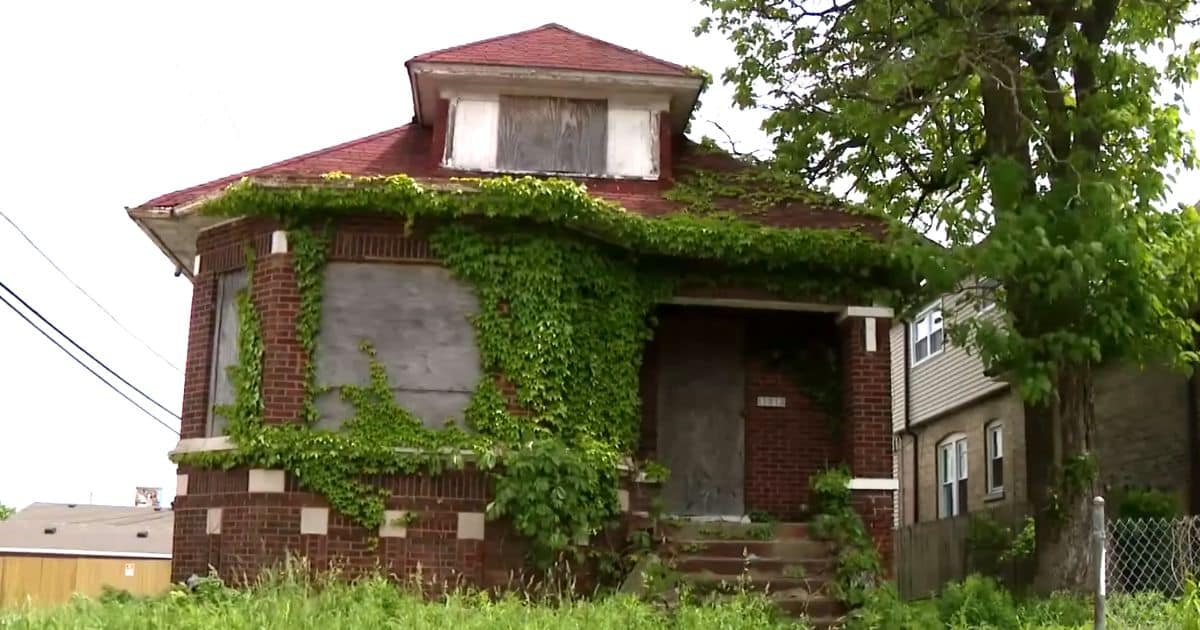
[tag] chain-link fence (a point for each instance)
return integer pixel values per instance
(1152, 554)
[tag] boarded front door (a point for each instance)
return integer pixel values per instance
(701, 391)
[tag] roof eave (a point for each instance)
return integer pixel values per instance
(174, 229)
(684, 91)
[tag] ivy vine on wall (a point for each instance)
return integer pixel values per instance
(564, 316)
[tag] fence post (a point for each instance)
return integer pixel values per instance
(1098, 563)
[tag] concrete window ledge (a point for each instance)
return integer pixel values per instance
(868, 483)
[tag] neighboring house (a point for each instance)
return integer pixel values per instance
(49, 551)
(719, 408)
(960, 435)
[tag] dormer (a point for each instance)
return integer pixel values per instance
(552, 101)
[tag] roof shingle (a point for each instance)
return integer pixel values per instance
(554, 46)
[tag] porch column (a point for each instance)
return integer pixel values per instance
(867, 419)
(277, 298)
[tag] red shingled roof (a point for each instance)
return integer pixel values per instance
(407, 150)
(554, 46)
(400, 150)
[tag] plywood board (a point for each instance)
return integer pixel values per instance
(701, 394)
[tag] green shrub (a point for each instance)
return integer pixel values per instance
(1060, 609)
(1147, 503)
(978, 602)
(883, 609)
(858, 570)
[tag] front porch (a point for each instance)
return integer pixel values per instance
(745, 400)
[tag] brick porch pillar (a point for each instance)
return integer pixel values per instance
(277, 298)
(867, 420)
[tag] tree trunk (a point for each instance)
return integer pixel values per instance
(1062, 477)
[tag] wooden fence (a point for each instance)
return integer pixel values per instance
(42, 580)
(932, 553)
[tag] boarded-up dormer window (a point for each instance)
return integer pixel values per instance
(543, 134)
(552, 135)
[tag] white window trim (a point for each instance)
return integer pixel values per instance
(912, 334)
(983, 305)
(952, 442)
(994, 426)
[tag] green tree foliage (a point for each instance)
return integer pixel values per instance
(1038, 137)
(6, 512)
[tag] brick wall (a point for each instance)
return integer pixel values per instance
(784, 446)
(867, 399)
(1141, 431)
(222, 249)
(875, 507)
(971, 421)
(867, 424)
(261, 529)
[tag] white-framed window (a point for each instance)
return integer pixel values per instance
(985, 298)
(928, 336)
(952, 476)
(994, 438)
(550, 134)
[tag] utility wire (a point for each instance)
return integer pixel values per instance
(84, 350)
(86, 366)
(86, 294)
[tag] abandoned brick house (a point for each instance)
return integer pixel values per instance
(735, 429)
(960, 435)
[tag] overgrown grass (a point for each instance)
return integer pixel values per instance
(295, 603)
(979, 604)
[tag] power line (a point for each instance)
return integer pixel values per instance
(86, 294)
(86, 366)
(84, 350)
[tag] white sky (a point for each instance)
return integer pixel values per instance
(106, 105)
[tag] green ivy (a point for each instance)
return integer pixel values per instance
(848, 262)
(858, 568)
(556, 495)
(566, 285)
(752, 189)
(566, 323)
(309, 252)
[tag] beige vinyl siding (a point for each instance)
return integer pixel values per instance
(951, 378)
(897, 345)
(897, 377)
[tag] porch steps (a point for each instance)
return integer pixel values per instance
(779, 559)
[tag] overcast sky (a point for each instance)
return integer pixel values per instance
(105, 105)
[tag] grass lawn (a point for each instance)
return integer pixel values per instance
(293, 603)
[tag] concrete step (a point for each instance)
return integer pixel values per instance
(749, 532)
(820, 610)
(754, 580)
(771, 567)
(798, 548)
(804, 602)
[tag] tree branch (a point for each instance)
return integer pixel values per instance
(1095, 27)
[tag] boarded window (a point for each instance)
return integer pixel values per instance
(418, 319)
(471, 140)
(632, 142)
(225, 347)
(552, 135)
